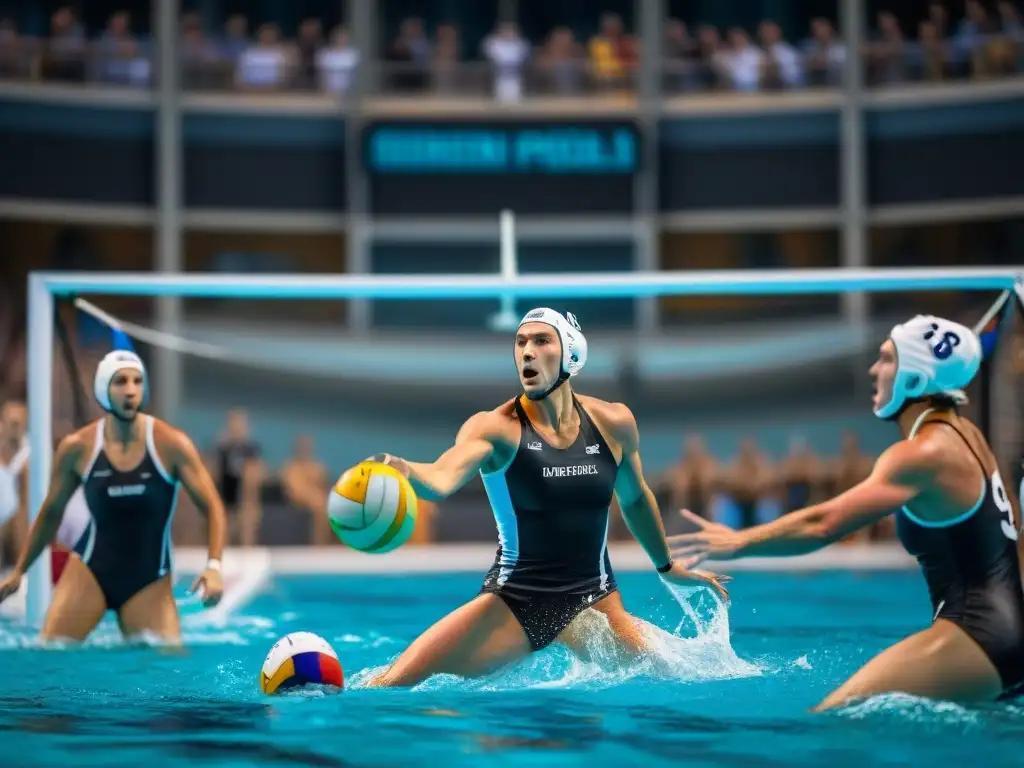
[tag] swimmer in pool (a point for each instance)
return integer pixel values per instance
(550, 461)
(14, 453)
(953, 513)
(129, 467)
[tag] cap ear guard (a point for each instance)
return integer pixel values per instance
(115, 361)
(933, 357)
(574, 345)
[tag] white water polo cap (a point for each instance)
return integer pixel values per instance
(574, 343)
(933, 357)
(115, 361)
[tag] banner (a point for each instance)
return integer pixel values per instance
(480, 167)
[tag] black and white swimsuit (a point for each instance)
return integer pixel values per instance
(127, 544)
(551, 508)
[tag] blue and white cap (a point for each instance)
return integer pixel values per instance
(574, 343)
(933, 357)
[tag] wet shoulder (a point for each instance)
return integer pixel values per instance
(166, 436)
(972, 440)
(76, 450)
(615, 421)
(500, 427)
(170, 448)
(948, 441)
(497, 423)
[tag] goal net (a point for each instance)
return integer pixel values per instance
(762, 406)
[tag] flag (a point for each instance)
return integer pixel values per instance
(121, 341)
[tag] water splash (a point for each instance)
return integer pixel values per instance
(601, 663)
(230, 630)
(913, 708)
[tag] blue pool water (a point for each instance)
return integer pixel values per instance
(709, 701)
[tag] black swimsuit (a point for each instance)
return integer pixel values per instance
(127, 544)
(551, 508)
(971, 567)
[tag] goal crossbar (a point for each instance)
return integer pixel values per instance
(560, 284)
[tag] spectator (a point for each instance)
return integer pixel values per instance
(852, 467)
(236, 38)
(447, 53)
(746, 489)
(15, 368)
(337, 63)
(264, 66)
(121, 61)
(12, 329)
(308, 46)
(198, 56)
(781, 67)
(612, 53)
(682, 58)
(410, 56)
(426, 516)
(14, 51)
(1010, 23)
(745, 61)
(689, 484)
(825, 56)
(64, 58)
(714, 62)
(958, 65)
(802, 476)
(887, 57)
(507, 51)
(1001, 57)
(938, 16)
(972, 37)
(13, 461)
(239, 472)
(932, 61)
(305, 484)
(562, 62)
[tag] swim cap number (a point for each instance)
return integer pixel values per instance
(946, 345)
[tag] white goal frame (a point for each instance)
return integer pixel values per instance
(44, 287)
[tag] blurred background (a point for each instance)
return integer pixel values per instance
(336, 136)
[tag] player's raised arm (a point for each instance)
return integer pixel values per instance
(900, 474)
(439, 479)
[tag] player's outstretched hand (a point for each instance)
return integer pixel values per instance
(10, 585)
(681, 576)
(711, 541)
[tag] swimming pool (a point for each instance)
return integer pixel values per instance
(793, 638)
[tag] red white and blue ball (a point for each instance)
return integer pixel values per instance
(298, 659)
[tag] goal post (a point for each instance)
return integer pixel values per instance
(45, 287)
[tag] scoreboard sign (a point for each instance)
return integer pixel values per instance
(533, 167)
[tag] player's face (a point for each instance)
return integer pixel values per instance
(883, 372)
(12, 421)
(538, 356)
(126, 393)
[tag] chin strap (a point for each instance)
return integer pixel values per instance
(563, 377)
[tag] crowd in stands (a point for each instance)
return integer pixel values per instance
(976, 41)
